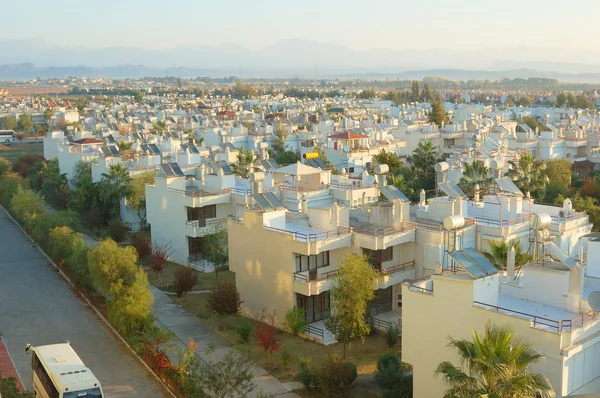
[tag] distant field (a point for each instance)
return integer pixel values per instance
(12, 151)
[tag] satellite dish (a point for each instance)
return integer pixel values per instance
(594, 301)
(347, 149)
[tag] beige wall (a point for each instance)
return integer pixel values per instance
(428, 320)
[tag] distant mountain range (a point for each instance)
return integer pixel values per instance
(293, 57)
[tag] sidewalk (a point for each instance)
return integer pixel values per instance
(185, 325)
(7, 367)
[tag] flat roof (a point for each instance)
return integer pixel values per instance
(65, 366)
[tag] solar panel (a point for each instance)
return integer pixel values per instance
(481, 261)
(265, 163)
(398, 193)
(507, 185)
(451, 189)
(320, 163)
(114, 150)
(106, 151)
(226, 169)
(167, 170)
(262, 202)
(193, 149)
(177, 170)
(273, 163)
(270, 196)
(558, 254)
(312, 163)
(154, 148)
(467, 264)
(111, 139)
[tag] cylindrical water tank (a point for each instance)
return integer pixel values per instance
(540, 221)
(257, 176)
(382, 169)
(441, 167)
(454, 222)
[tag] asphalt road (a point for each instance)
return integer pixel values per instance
(38, 307)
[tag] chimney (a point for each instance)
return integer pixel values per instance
(422, 198)
(510, 264)
(256, 180)
(476, 196)
(203, 174)
(305, 205)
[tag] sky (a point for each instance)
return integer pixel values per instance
(358, 24)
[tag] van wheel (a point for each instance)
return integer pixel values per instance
(7, 141)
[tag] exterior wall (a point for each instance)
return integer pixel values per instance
(428, 320)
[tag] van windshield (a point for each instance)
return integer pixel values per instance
(90, 393)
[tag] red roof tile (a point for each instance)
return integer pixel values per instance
(347, 136)
(87, 141)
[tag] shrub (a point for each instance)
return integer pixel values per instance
(307, 374)
(8, 389)
(63, 242)
(335, 376)
(44, 223)
(24, 162)
(26, 205)
(286, 356)
(244, 331)
(185, 280)
(266, 334)
(295, 320)
(117, 230)
(224, 299)
(9, 184)
(393, 378)
(159, 258)
(142, 246)
(392, 335)
(93, 218)
(4, 166)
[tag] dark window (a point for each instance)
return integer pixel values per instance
(382, 301)
(43, 376)
(201, 214)
(196, 248)
(316, 307)
(305, 263)
(377, 257)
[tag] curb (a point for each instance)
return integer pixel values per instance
(88, 302)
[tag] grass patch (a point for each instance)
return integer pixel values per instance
(164, 281)
(364, 356)
(12, 151)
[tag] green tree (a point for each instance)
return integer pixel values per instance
(160, 127)
(525, 101)
(476, 173)
(26, 206)
(124, 146)
(5, 166)
(554, 190)
(24, 124)
(295, 320)
(561, 100)
(351, 293)
(63, 243)
(582, 102)
(559, 171)
(494, 365)
(216, 248)
(54, 186)
(243, 163)
(9, 123)
(115, 184)
(438, 115)
(529, 175)
(422, 162)
(278, 144)
(498, 253)
(415, 94)
(85, 194)
(427, 93)
(8, 389)
(533, 123)
(136, 197)
(571, 100)
(81, 105)
(49, 116)
(393, 377)
(138, 97)
(390, 159)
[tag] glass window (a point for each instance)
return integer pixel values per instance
(90, 393)
(44, 378)
(305, 263)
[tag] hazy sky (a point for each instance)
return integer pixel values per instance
(359, 24)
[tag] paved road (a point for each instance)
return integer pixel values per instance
(37, 307)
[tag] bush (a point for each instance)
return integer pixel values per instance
(244, 331)
(286, 356)
(26, 205)
(307, 374)
(224, 299)
(335, 376)
(143, 246)
(117, 230)
(393, 378)
(295, 320)
(392, 335)
(185, 280)
(4, 166)
(9, 184)
(44, 223)
(8, 389)
(93, 218)
(63, 242)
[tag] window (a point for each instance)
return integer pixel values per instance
(377, 257)
(42, 375)
(201, 214)
(304, 263)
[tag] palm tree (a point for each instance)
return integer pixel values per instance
(243, 165)
(421, 162)
(49, 116)
(115, 185)
(476, 173)
(528, 174)
(498, 254)
(495, 366)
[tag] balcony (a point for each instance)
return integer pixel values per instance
(569, 221)
(317, 241)
(376, 239)
(390, 276)
(199, 198)
(314, 282)
(198, 228)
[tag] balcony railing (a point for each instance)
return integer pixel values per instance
(313, 188)
(502, 223)
(199, 194)
(350, 187)
(565, 325)
(397, 268)
(197, 264)
(315, 331)
(208, 223)
(316, 237)
(423, 289)
(302, 277)
(384, 325)
(379, 233)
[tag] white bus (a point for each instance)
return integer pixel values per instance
(58, 372)
(7, 136)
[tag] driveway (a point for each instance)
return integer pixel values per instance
(38, 307)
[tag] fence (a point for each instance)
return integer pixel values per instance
(309, 238)
(315, 331)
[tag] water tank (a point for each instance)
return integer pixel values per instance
(454, 222)
(441, 167)
(540, 221)
(257, 176)
(382, 169)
